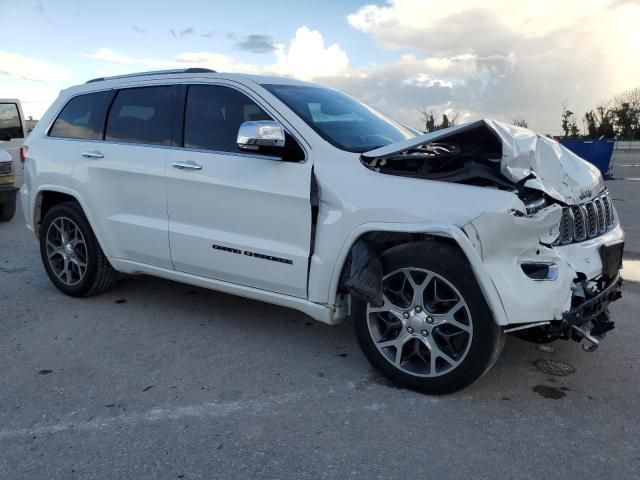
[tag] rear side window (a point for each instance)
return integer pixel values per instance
(213, 116)
(83, 117)
(142, 115)
(10, 124)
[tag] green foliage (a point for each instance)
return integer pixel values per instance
(618, 117)
(569, 124)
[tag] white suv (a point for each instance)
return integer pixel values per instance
(435, 245)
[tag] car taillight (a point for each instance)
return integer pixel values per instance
(23, 153)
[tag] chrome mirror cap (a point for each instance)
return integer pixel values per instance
(262, 133)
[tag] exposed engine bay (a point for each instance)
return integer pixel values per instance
(471, 156)
(489, 153)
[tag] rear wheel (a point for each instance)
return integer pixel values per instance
(71, 254)
(434, 332)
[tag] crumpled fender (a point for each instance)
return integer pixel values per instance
(503, 242)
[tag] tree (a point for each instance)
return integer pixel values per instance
(618, 117)
(599, 122)
(520, 122)
(626, 114)
(569, 125)
(430, 123)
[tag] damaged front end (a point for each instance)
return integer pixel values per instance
(555, 261)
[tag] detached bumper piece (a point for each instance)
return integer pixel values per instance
(589, 320)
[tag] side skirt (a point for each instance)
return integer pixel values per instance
(323, 313)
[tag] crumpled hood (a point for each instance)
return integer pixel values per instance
(553, 168)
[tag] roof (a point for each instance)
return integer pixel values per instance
(189, 73)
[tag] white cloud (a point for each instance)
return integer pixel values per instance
(503, 58)
(307, 57)
(18, 66)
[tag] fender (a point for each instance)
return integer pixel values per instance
(439, 230)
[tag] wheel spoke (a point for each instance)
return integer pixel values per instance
(388, 307)
(54, 253)
(436, 352)
(450, 318)
(417, 287)
(60, 229)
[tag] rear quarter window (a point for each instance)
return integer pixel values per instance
(83, 117)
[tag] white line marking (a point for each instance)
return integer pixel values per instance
(216, 409)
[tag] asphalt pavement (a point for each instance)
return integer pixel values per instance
(157, 379)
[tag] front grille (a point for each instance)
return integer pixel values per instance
(587, 220)
(5, 168)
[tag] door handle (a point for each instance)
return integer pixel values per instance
(92, 154)
(187, 165)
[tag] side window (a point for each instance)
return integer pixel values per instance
(213, 116)
(83, 117)
(142, 115)
(10, 124)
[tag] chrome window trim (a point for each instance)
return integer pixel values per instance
(171, 147)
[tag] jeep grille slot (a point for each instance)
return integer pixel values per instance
(587, 220)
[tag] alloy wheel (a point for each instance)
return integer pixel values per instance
(424, 326)
(66, 251)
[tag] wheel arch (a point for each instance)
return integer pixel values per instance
(48, 196)
(387, 236)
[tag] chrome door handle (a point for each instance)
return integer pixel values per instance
(92, 154)
(187, 165)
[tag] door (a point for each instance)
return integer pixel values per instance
(235, 216)
(12, 134)
(121, 173)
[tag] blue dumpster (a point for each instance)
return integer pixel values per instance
(597, 152)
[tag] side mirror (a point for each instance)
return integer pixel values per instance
(265, 135)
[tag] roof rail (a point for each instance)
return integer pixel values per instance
(156, 72)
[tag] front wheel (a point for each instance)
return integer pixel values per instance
(434, 332)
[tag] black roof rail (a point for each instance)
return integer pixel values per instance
(156, 72)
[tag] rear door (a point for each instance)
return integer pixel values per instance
(121, 172)
(236, 216)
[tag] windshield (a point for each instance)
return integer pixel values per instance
(339, 119)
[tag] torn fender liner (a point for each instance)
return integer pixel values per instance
(364, 277)
(515, 154)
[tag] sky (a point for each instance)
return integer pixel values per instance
(493, 58)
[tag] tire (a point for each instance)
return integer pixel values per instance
(7, 210)
(454, 320)
(96, 276)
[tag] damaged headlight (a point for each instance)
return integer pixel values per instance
(533, 200)
(535, 206)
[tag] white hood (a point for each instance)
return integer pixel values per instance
(553, 168)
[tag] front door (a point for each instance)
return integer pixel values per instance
(235, 216)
